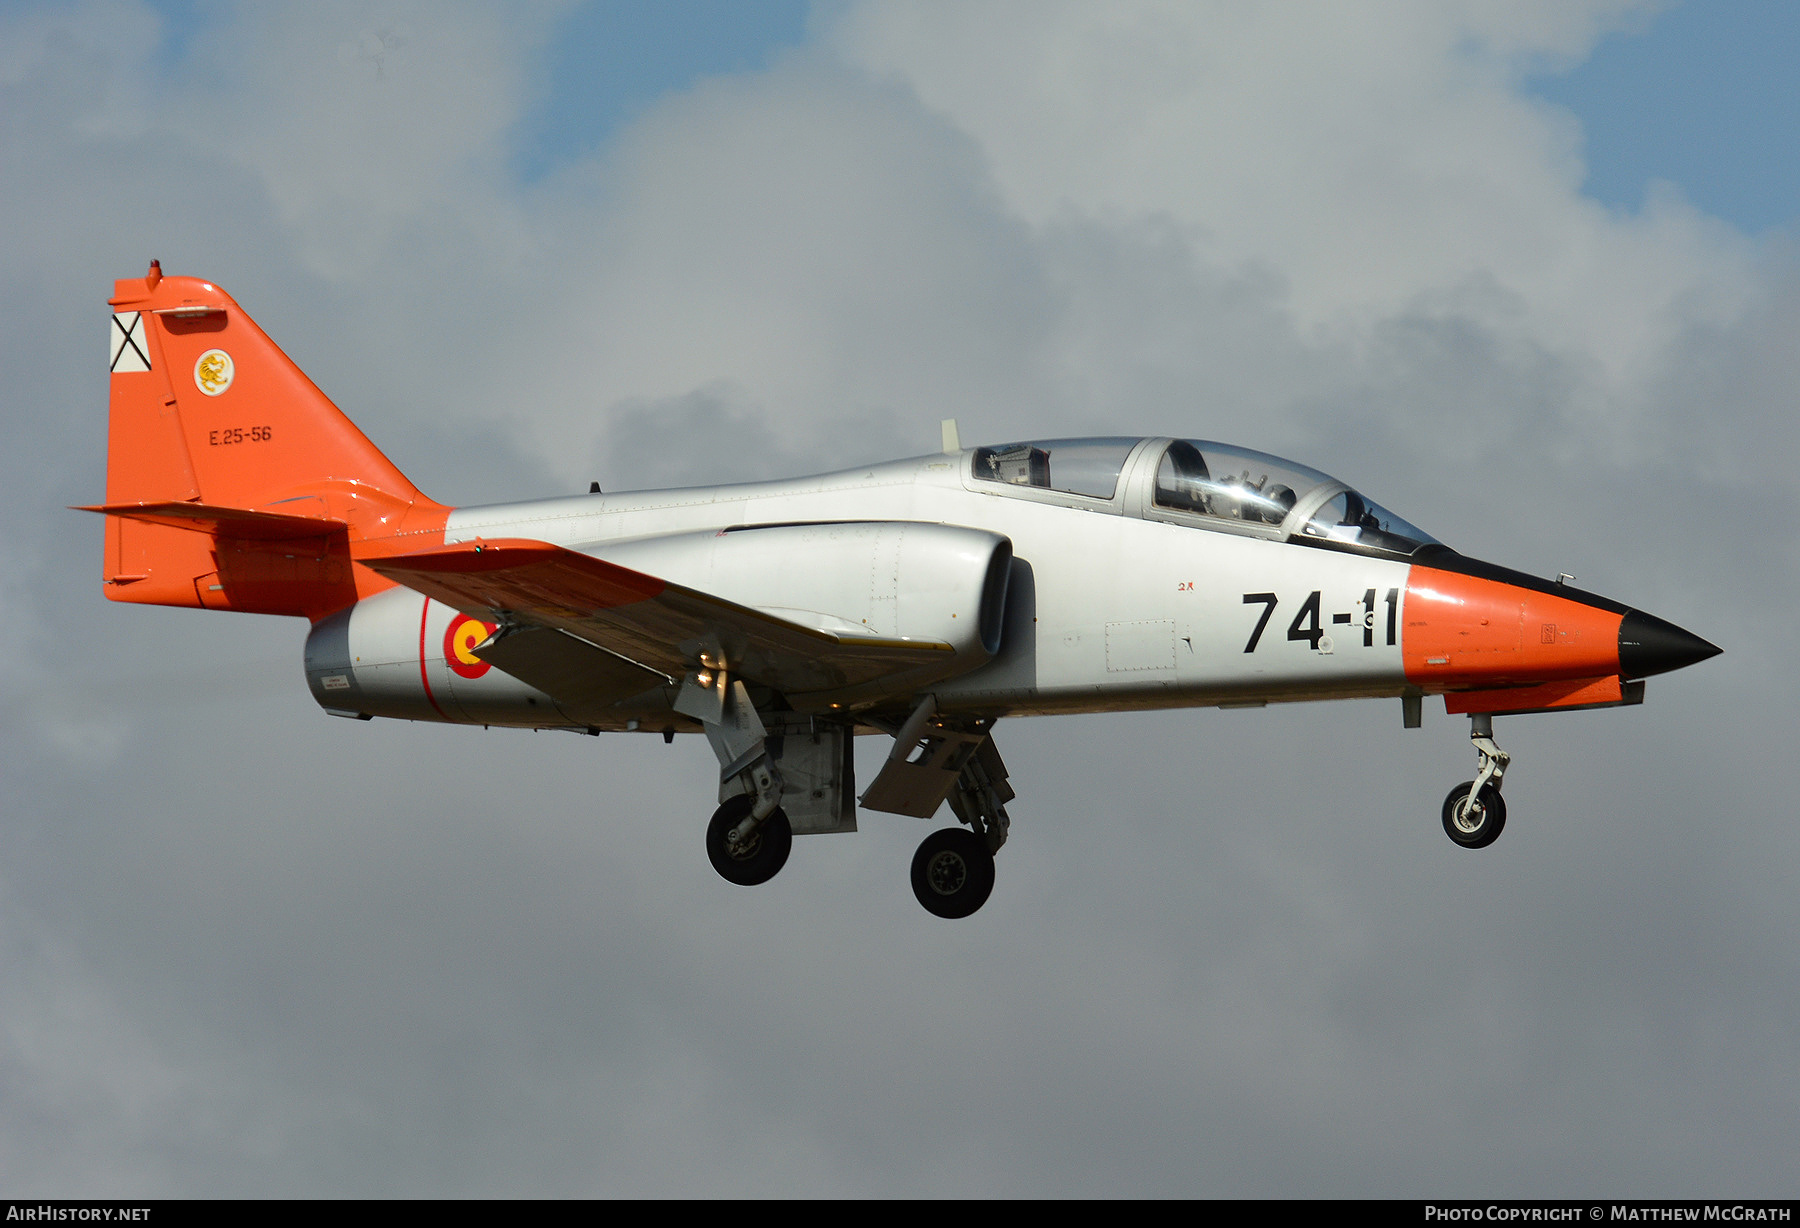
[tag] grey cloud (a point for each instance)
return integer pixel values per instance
(249, 949)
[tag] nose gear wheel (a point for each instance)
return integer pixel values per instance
(1474, 825)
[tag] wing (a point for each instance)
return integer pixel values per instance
(651, 623)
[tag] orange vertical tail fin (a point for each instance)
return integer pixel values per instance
(232, 482)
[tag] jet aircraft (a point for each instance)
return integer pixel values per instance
(923, 599)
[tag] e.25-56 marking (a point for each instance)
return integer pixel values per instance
(238, 434)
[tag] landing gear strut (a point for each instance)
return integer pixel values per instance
(749, 838)
(1475, 813)
(953, 871)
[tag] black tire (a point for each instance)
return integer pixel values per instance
(759, 858)
(1478, 826)
(952, 873)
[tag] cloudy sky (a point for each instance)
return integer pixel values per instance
(1523, 271)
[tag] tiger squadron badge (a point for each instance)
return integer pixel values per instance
(213, 372)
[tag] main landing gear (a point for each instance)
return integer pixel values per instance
(749, 838)
(952, 873)
(1475, 813)
(742, 851)
(800, 764)
(937, 759)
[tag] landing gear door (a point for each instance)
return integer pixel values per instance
(818, 773)
(917, 778)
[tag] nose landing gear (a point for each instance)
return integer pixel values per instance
(1474, 822)
(1475, 813)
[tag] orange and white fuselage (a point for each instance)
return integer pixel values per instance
(926, 598)
(1112, 603)
(1105, 610)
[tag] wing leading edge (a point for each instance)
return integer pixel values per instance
(661, 628)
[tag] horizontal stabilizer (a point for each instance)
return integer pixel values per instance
(222, 521)
(660, 625)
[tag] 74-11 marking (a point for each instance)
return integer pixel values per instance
(1306, 625)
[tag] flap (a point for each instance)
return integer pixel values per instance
(578, 675)
(649, 621)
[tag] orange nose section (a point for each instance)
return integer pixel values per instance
(1464, 631)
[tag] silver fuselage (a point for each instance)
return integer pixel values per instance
(1112, 604)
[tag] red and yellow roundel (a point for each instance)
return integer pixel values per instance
(459, 646)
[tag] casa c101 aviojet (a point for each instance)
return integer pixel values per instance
(923, 599)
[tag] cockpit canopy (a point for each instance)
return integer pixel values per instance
(1211, 485)
(1083, 466)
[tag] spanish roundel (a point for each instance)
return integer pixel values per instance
(460, 640)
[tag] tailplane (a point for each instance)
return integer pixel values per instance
(232, 482)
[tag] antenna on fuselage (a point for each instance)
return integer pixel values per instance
(952, 443)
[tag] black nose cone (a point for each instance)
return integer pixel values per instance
(1648, 645)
